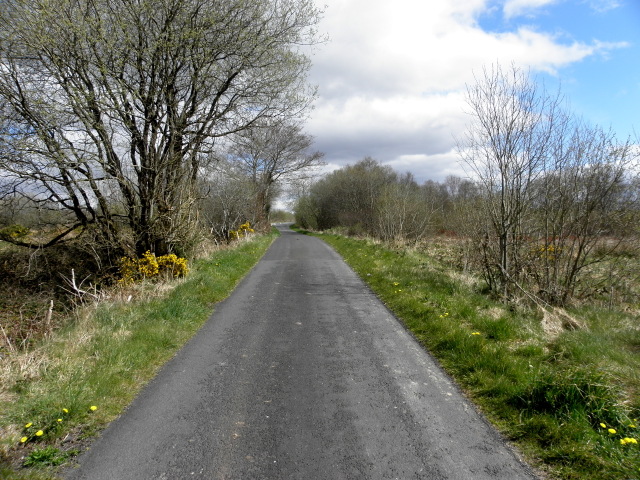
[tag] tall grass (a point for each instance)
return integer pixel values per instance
(567, 398)
(106, 355)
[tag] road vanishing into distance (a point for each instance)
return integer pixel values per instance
(302, 373)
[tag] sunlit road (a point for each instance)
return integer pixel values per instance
(301, 374)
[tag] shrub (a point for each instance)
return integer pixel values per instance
(151, 267)
(172, 265)
(243, 231)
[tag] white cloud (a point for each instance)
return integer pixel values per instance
(602, 6)
(514, 8)
(384, 127)
(393, 76)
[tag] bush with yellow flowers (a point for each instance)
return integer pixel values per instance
(172, 265)
(149, 266)
(243, 231)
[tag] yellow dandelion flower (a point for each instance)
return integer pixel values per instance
(632, 426)
(612, 431)
(603, 425)
(24, 439)
(59, 420)
(395, 284)
(476, 333)
(64, 410)
(93, 408)
(39, 433)
(28, 425)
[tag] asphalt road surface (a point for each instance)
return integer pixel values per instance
(302, 373)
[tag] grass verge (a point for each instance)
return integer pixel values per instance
(568, 398)
(71, 385)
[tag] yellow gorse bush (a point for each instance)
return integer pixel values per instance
(173, 265)
(150, 267)
(242, 231)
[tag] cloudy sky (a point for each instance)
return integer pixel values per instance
(392, 76)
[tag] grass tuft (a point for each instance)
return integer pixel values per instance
(576, 393)
(47, 457)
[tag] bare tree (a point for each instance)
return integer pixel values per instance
(269, 153)
(110, 107)
(505, 149)
(577, 207)
(550, 187)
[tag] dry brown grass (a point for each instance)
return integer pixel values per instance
(556, 320)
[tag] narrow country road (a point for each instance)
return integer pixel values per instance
(301, 373)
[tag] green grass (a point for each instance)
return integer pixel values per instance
(47, 457)
(104, 358)
(547, 393)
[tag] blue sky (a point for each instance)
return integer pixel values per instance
(604, 87)
(393, 75)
